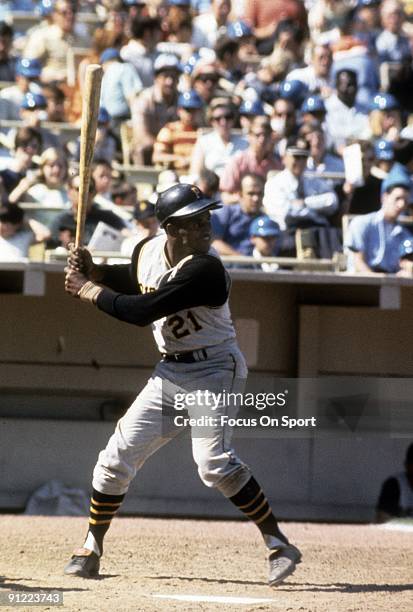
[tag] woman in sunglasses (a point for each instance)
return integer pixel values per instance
(213, 150)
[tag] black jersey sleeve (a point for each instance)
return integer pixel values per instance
(389, 498)
(202, 281)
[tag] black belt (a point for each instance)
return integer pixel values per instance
(188, 357)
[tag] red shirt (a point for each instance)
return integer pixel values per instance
(245, 162)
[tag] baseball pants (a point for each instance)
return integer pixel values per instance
(149, 423)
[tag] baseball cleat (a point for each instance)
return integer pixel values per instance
(84, 563)
(283, 562)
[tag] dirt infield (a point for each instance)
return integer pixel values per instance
(210, 565)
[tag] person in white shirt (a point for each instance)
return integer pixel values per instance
(214, 149)
(317, 75)
(292, 199)
(208, 26)
(345, 119)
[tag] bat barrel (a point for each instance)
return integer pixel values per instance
(90, 112)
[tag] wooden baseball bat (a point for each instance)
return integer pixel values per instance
(90, 111)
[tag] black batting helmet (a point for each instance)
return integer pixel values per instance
(182, 201)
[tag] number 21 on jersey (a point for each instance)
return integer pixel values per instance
(183, 326)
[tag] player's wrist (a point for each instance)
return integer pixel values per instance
(89, 292)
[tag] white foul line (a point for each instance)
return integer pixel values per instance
(217, 599)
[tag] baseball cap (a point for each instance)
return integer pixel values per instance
(265, 227)
(293, 90)
(143, 210)
(32, 101)
(166, 61)
(179, 2)
(252, 108)
(397, 177)
(29, 68)
(313, 104)
(190, 99)
(103, 116)
(238, 29)
(384, 150)
(45, 7)
(109, 54)
(406, 248)
(297, 147)
(384, 101)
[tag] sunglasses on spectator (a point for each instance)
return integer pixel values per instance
(226, 117)
(208, 77)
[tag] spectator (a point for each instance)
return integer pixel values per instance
(208, 26)
(120, 85)
(208, 183)
(27, 143)
(287, 53)
(294, 200)
(374, 239)
(391, 44)
(175, 141)
(264, 16)
(33, 113)
(146, 225)
(107, 144)
(27, 81)
(214, 149)
(155, 107)
(241, 32)
(177, 28)
(406, 258)
(313, 110)
(103, 179)
(48, 188)
(55, 99)
(231, 224)
(396, 494)
(320, 160)
(345, 118)
(385, 117)
(317, 75)
(63, 227)
(18, 235)
(384, 158)
(228, 60)
(204, 78)
(141, 48)
(248, 110)
(364, 198)
(258, 158)
(7, 61)
(264, 235)
(283, 123)
(51, 45)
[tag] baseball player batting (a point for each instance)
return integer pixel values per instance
(177, 283)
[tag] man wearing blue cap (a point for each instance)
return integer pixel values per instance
(175, 141)
(264, 233)
(374, 239)
(27, 80)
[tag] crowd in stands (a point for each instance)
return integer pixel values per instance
(297, 114)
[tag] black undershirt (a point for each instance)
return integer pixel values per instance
(201, 281)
